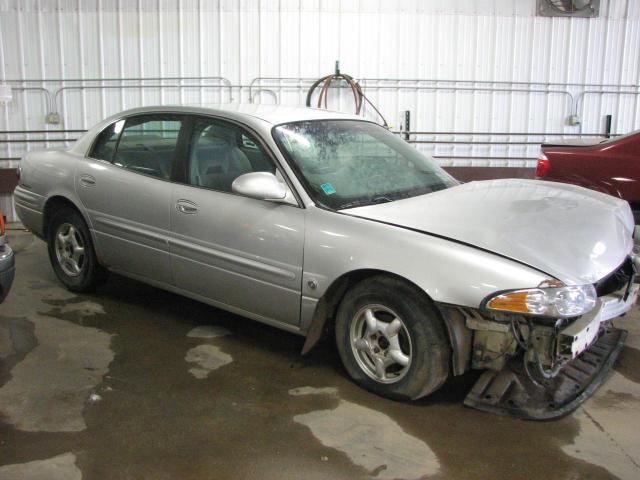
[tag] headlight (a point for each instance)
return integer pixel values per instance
(557, 302)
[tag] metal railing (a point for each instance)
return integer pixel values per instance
(575, 100)
(54, 91)
(573, 92)
(52, 95)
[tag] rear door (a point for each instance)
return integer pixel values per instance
(126, 189)
(231, 249)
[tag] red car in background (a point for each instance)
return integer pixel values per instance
(609, 165)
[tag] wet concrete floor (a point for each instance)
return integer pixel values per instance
(133, 382)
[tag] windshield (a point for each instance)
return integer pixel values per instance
(350, 163)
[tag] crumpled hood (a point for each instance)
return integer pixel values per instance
(575, 234)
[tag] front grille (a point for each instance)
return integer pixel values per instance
(616, 280)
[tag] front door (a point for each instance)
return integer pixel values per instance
(231, 249)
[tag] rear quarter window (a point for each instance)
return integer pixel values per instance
(104, 148)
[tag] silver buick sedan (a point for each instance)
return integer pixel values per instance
(319, 222)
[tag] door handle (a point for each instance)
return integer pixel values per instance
(185, 206)
(87, 180)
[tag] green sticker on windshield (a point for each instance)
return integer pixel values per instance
(328, 188)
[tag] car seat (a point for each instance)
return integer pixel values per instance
(216, 162)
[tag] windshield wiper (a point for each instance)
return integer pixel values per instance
(362, 203)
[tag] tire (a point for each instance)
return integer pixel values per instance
(69, 224)
(421, 338)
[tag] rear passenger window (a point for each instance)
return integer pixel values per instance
(105, 146)
(148, 144)
(221, 152)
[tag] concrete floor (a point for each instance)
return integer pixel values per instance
(133, 382)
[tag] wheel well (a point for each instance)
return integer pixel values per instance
(336, 291)
(53, 205)
(324, 316)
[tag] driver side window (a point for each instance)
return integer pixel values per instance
(221, 152)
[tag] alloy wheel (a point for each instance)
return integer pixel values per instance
(381, 343)
(69, 247)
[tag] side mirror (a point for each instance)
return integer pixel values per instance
(260, 185)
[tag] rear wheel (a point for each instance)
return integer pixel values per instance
(71, 252)
(391, 339)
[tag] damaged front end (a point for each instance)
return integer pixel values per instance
(540, 367)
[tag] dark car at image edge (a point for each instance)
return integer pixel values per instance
(7, 262)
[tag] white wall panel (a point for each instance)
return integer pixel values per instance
(483, 41)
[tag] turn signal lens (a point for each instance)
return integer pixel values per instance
(1, 222)
(554, 302)
(510, 302)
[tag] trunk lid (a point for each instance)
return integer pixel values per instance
(574, 142)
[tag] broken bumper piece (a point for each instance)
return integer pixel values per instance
(511, 391)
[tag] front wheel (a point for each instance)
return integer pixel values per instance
(391, 339)
(71, 252)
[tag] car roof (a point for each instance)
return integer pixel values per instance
(273, 114)
(258, 116)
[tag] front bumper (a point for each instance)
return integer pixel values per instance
(511, 392)
(7, 269)
(587, 349)
(578, 336)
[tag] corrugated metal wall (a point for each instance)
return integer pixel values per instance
(269, 49)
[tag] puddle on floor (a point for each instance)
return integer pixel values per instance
(369, 438)
(60, 467)
(54, 402)
(596, 446)
(604, 438)
(17, 339)
(208, 331)
(34, 397)
(208, 358)
(301, 391)
(83, 308)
